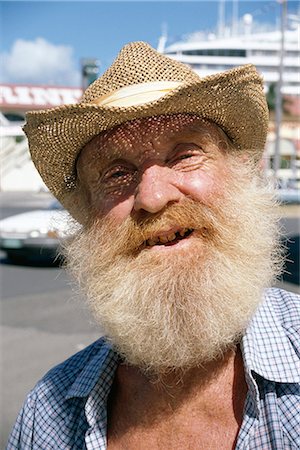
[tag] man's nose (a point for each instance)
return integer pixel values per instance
(156, 189)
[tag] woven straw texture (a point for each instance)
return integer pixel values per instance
(234, 100)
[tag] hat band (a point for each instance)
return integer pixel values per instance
(137, 94)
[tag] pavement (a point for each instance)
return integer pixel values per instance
(38, 331)
(290, 211)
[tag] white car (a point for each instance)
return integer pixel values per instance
(34, 234)
(289, 196)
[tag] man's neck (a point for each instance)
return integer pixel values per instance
(215, 392)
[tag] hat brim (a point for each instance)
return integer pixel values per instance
(234, 100)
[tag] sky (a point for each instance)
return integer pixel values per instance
(43, 42)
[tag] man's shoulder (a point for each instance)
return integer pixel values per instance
(271, 352)
(48, 411)
(63, 376)
(271, 344)
(285, 304)
(75, 376)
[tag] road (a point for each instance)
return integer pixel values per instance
(42, 323)
(43, 320)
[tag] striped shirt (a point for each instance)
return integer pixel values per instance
(67, 409)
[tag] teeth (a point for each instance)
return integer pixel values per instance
(171, 237)
(167, 238)
(163, 239)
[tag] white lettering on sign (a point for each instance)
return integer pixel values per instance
(7, 96)
(23, 95)
(42, 96)
(37, 96)
(70, 96)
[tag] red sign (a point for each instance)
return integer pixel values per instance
(37, 97)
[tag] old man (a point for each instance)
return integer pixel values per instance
(176, 253)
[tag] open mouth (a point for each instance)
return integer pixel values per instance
(168, 239)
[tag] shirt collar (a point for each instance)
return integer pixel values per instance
(102, 365)
(269, 344)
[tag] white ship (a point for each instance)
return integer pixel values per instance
(244, 43)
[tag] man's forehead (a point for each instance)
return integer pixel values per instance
(155, 127)
(159, 129)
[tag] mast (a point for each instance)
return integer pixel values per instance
(278, 101)
(221, 19)
(163, 38)
(235, 17)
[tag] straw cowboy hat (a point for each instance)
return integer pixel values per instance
(142, 83)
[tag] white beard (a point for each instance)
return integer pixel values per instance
(181, 313)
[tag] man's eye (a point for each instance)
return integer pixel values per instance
(185, 156)
(185, 151)
(182, 156)
(118, 177)
(118, 174)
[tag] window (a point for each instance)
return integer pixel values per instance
(216, 52)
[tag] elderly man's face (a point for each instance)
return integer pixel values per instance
(143, 166)
(167, 260)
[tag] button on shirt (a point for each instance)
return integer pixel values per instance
(68, 408)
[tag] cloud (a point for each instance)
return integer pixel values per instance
(40, 62)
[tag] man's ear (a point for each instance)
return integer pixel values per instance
(262, 163)
(259, 163)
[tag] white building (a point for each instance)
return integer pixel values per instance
(17, 172)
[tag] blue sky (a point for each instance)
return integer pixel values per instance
(43, 42)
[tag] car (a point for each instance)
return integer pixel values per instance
(291, 196)
(34, 235)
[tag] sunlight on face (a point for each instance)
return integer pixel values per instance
(148, 163)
